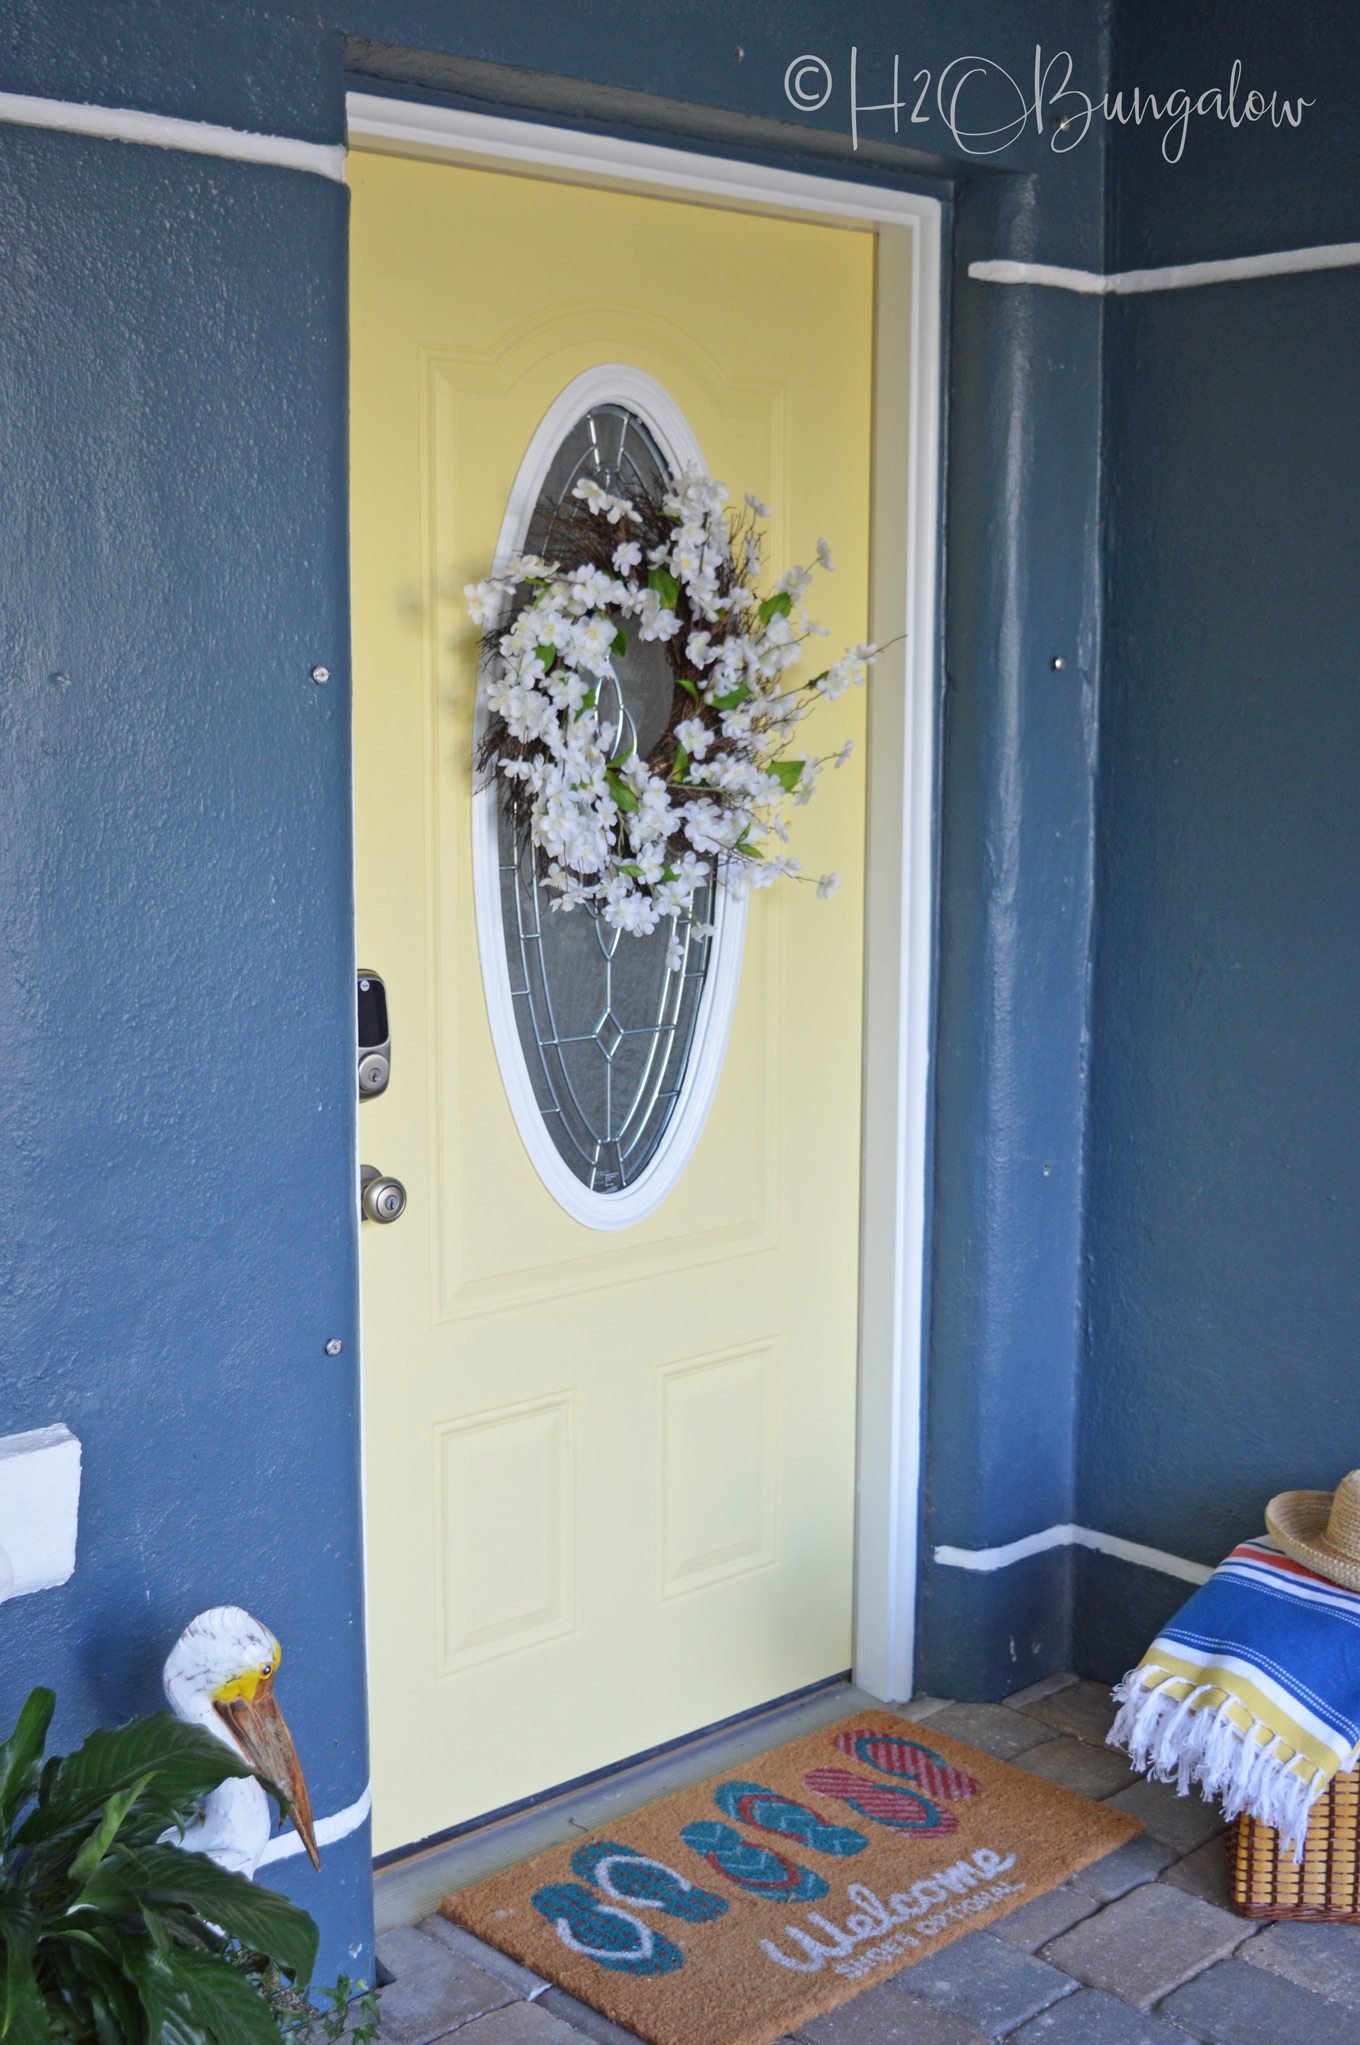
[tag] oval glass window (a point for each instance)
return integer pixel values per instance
(610, 1057)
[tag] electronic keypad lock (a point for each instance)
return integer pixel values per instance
(375, 1036)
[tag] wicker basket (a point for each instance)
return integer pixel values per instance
(1325, 1888)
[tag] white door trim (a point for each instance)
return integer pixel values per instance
(900, 907)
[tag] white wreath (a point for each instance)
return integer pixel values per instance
(628, 838)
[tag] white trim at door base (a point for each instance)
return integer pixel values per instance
(1074, 1537)
(900, 911)
(164, 131)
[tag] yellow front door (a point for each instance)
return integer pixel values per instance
(609, 1470)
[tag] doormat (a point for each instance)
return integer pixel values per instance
(734, 1911)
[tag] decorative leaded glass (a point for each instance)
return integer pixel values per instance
(605, 1028)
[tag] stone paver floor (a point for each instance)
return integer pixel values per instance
(1141, 1949)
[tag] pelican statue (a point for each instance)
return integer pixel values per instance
(220, 1674)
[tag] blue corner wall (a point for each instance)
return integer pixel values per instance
(177, 1013)
(1223, 1282)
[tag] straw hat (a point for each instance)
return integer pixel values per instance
(1321, 1529)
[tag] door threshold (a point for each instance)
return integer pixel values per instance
(408, 1882)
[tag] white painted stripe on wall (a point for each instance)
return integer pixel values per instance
(1337, 255)
(328, 1830)
(1074, 1537)
(162, 131)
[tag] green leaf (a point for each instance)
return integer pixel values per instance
(221, 2001)
(744, 845)
(548, 655)
(681, 767)
(107, 1830)
(21, 1753)
(26, 2021)
(781, 602)
(627, 866)
(619, 789)
(733, 698)
(620, 643)
(588, 700)
(665, 585)
(198, 1999)
(19, 1928)
(165, 1876)
(690, 688)
(787, 773)
(186, 1759)
(184, 1762)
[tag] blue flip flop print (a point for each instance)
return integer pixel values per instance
(613, 1938)
(627, 1876)
(758, 1869)
(767, 1811)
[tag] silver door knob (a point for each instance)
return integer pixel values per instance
(380, 1198)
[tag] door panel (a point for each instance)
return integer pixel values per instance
(610, 1474)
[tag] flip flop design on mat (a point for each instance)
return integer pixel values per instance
(904, 1810)
(767, 1811)
(921, 1765)
(612, 1937)
(755, 1868)
(627, 1876)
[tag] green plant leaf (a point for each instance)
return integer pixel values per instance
(787, 773)
(220, 2001)
(194, 1999)
(104, 1834)
(681, 767)
(26, 2021)
(588, 700)
(22, 1752)
(781, 602)
(665, 585)
(187, 1760)
(733, 698)
(19, 1928)
(163, 1877)
(619, 789)
(627, 866)
(690, 688)
(620, 642)
(548, 655)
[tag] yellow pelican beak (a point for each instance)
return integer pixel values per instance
(260, 1731)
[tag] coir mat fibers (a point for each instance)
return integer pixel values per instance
(735, 1911)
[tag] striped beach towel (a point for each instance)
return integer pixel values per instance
(1253, 1690)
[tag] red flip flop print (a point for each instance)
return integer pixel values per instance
(905, 1810)
(921, 1765)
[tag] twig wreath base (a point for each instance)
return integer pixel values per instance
(634, 839)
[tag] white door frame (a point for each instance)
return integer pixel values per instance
(900, 905)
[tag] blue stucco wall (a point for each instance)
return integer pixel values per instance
(1223, 1280)
(174, 849)
(176, 1020)
(1017, 828)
